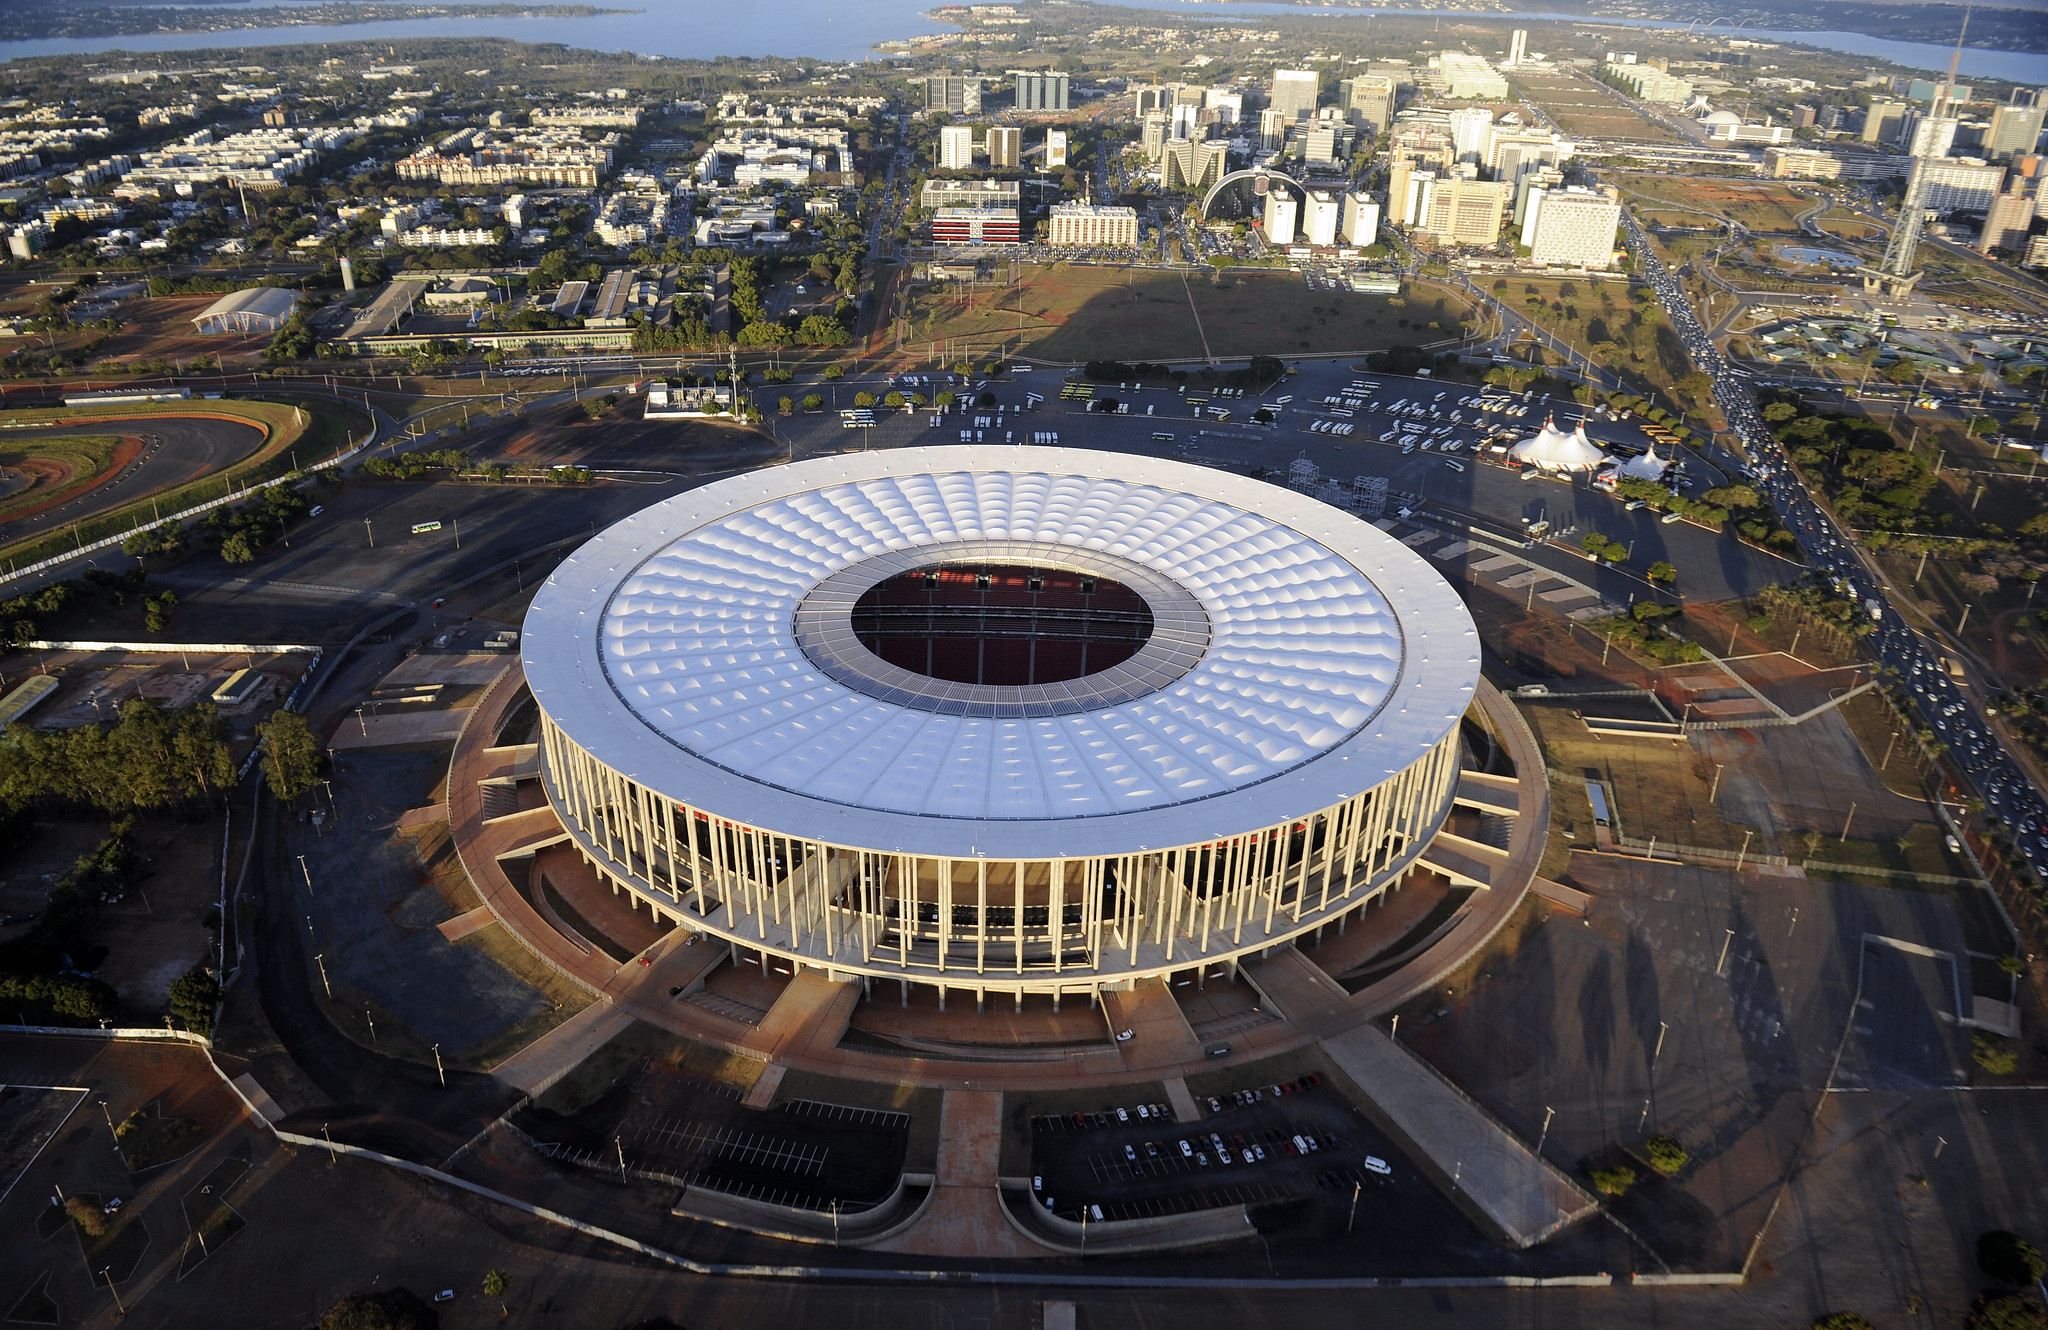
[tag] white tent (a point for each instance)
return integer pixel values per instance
(1551, 449)
(1647, 467)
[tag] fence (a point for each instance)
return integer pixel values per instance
(1680, 850)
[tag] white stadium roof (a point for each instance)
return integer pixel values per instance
(671, 648)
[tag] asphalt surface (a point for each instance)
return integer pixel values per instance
(176, 450)
(1492, 497)
(1955, 717)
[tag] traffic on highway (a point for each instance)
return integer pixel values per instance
(1956, 719)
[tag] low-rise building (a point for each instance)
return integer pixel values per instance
(260, 309)
(969, 194)
(976, 226)
(1800, 164)
(1094, 226)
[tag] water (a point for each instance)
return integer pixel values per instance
(1833, 258)
(2014, 66)
(685, 29)
(833, 30)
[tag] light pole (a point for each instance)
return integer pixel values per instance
(1745, 850)
(1726, 943)
(320, 959)
(108, 1274)
(1544, 1135)
(1715, 793)
(440, 1070)
(369, 533)
(308, 875)
(1356, 1187)
(108, 1114)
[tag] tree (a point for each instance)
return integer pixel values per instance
(814, 401)
(1666, 1155)
(1661, 571)
(1614, 1181)
(156, 611)
(1777, 413)
(291, 755)
(495, 1285)
(391, 1309)
(863, 399)
(1843, 1321)
(786, 405)
(90, 1218)
(194, 998)
(236, 547)
(2009, 1258)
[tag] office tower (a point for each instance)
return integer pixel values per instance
(2014, 130)
(1571, 228)
(1470, 128)
(955, 94)
(1055, 148)
(1294, 92)
(1881, 121)
(1040, 90)
(1464, 212)
(1272, 130)
(1518, 47)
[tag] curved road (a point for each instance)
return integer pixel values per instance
(177, 449)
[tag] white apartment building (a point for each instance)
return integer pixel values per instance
(1360, 224)
(1319, 218)
(956, 147)
(1280, 214)
(1295, 92)
(1055, 148)
(1966, 184)
(1571, 228)
(1092, 225)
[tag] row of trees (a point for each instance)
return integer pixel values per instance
(38, 968)
(150, 758)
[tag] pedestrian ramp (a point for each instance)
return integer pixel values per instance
(1486, 1171)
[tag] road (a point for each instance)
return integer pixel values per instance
(1956, 718)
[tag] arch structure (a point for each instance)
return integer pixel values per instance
(1231, 197)
(1019, 720)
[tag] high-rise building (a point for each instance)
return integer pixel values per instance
(2014, 131)
(1055, 149)
(2007, 220)
(1518, 47)
(956, 147)
(1092, 225)
(1192, 167)
(1272, 130)
(1319, 218)
(1804, 115)
(1927, 135)
(1527, 186)
(1319, 145)
(1360, 224)
(1511, 152)
(1005, 146)
(1227, 103)
(1279, 219)
(1368, 100)
(1294, 92)
(1152, 135)
(1471, 127)
(1961, 184)
(1464, 212)
(955, 94)
(1040, 90)
(1186, 122)
(1571, 228)
(1881, 121)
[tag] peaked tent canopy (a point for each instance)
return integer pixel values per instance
(1551, 449)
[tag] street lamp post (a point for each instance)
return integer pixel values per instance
(320, 959)
(440, 1070)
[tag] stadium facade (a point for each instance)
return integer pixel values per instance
(1018, 720)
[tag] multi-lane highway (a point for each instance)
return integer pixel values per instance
(1956, 719)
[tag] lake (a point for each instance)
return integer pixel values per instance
(834, 30)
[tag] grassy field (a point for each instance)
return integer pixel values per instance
(1074, 314)
(55, 468)
(1584, 109)
(1600, 320)
(1760, 205)
(1849, 226)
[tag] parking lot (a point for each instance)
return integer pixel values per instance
(1258, 1148)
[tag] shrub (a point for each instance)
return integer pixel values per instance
(2009, 1258)
(2006, 1311)
(835, 371)
(1666, 1155)
(814, 401)
(90, 1218)
(786, 405)
(1843, 1321)
(863, 399)
(1614, 1181)
(1994, 1054)
(392, 1309)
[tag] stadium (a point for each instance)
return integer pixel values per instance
(1008, 721)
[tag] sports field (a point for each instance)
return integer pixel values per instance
(1583, 109)
(1074, 314)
